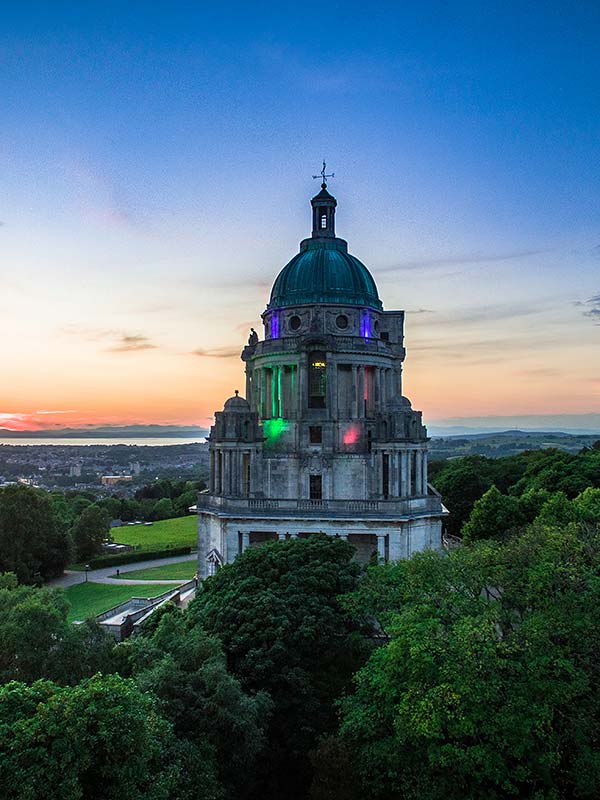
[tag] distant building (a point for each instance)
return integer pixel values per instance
(111, 480)
(135, 468)
(75, 471)
(325, 441)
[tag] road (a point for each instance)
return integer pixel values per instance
(71, 577)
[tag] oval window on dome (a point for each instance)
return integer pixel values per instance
(295, 322)
(342, 321)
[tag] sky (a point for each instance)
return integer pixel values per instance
(155, 176)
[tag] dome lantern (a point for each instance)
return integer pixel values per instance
(324, 272)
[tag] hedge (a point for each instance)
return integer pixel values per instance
(135, 555)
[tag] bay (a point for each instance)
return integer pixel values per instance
(152, 441)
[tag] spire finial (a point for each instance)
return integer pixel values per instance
(323, 176)
(237, 391)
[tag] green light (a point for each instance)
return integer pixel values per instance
(273, 395)
(274, 428)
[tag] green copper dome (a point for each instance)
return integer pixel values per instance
(324, 271)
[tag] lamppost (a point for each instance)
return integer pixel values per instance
(87, 566)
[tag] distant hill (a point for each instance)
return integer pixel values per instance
(506, 443)
(109, 432)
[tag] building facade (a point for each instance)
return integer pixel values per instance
(325, 441)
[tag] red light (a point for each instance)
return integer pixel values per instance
(351, 435)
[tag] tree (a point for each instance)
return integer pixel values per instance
(587, 506)
(102, 739)
(493, 516)
(186, 669)
(163, 509)
(276, 610)
(532, 501)
(90, 531)
(39, 642)
(487, 687)
(557, 510)
(34, 541)
(462, 482)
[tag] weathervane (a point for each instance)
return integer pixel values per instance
(323, 176)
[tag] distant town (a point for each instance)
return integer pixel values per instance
(123, 468)
(104, 469)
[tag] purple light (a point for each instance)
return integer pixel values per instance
(365, 324)
(275, 326)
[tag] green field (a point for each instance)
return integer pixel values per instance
(89, 599)
(180, 570)
(178, 532)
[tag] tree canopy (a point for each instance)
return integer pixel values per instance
(34, 540)
(487, 685)
(276, 609)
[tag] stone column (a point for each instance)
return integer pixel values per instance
(354, 391)
(295, 390)
(249, 385)
(360, 399)
(392, 474)
(245, 540)
(240, 473)
(381, 547)
(260, 390)
(409, 474)
(403, 473)
(378, 404)
(330, 393)
(302, 385)
(425, 472)
(419, 473)
(226, 472)
(218, 477)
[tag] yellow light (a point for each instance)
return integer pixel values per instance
(318, 364)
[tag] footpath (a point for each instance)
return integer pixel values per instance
(107, 574)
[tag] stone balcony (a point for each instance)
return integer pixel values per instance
(339, 343)
(261, 506)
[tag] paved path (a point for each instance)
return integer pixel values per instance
(71, 577)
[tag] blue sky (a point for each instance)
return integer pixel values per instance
(156, 164)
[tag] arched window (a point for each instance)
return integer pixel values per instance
(317, 380)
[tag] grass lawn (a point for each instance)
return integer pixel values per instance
(177, 532)
(184, 570)
(89, 599)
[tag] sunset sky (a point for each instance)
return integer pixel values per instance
(155, 176)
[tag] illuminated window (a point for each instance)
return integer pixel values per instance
(275, 326)
(324, 221)
(317, 382)
(316, 487)
(315, 434)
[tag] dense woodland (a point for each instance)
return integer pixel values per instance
(297, 674)
(41, 532)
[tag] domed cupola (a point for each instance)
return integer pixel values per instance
(324, 271)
